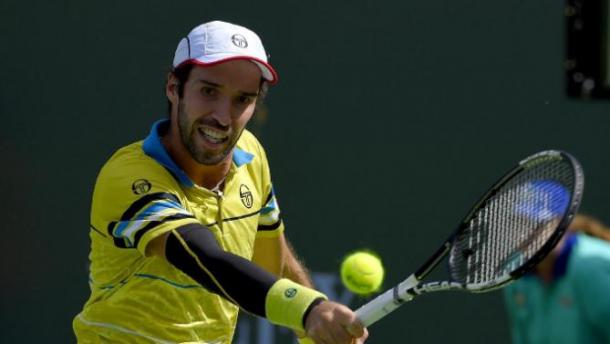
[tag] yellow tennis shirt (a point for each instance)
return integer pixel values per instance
(140, 194)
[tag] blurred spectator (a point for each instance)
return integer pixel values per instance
(566, 299)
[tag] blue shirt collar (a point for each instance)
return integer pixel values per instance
(153, 147)
(241, 157)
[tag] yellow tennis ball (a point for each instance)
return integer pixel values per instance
(362, 272)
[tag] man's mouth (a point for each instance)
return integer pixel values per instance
(213, 136)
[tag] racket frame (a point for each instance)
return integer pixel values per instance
(411, 287)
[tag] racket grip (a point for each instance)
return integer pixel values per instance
(385, 303)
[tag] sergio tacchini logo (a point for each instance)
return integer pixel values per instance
(245, 195)
(239, 40)
(140, 186)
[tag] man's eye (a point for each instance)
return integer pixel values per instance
(208, 91)
(245, 100)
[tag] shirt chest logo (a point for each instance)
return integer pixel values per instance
(246, 196)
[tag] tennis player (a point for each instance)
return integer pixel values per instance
(185, 225)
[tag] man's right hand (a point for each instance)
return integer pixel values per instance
(333, 323)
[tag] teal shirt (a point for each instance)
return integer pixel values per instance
(574, 308)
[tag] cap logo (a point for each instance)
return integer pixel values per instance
(239, 41)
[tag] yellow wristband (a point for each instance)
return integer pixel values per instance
(287, 302)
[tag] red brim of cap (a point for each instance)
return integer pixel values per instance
(267, 71)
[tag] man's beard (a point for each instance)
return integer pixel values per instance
(187, 133)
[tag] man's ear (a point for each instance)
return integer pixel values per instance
(171, 88)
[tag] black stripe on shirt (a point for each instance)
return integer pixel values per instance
(269, 196)
(154, 224)
(97, 231)
(241, 216)
(136, 206)
(121, 242)
(229, 219)
(269, 227)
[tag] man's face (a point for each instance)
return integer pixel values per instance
(216, 105)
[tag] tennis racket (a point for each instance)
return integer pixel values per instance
(510, 230)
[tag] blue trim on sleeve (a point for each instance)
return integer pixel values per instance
(269, 207)
(158, 207)
(118, 232)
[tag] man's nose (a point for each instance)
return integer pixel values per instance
(223, 111)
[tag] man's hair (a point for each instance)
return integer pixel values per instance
(181, 73)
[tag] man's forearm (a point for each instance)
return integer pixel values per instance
(193, 249)
(294, 269)
(277, 256)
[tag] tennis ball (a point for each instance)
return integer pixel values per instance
(362, 272)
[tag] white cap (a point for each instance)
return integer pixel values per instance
(216, 42)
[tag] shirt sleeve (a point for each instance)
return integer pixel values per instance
(270, 222)
(137, 202)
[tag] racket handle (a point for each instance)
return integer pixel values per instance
(385, 303)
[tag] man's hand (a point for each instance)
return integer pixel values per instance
(333, 323)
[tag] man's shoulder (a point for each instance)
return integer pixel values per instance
(249, 143)
(129, 151)
(248, 140)
(131, 154)
(131, 161)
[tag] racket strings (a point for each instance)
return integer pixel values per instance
(513, 224)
